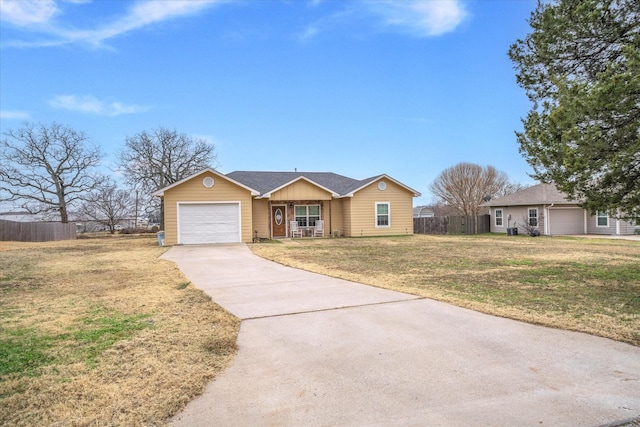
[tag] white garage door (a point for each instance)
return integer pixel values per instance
(208, 223)
(566, 221)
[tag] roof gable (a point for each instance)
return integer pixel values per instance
(300, 178)
(368, 181)
(160, 192)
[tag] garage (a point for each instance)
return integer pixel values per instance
(566, 221)
(202, 223)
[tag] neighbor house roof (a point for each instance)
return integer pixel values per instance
(422, 212)
(541, 194)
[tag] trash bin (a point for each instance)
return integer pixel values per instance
(160, 235)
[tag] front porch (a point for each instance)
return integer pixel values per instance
(298, 218)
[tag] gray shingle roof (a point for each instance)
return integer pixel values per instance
(541, 194)
(265, 182)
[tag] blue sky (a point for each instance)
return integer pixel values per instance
(360, 88)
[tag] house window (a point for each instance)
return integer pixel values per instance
(602, 219)
(307, 215)
(533, 217)
(499, 218)
(383, 218)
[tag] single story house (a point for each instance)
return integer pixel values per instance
(210, 207)
(545, 207)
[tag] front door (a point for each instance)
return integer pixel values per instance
(279, 221)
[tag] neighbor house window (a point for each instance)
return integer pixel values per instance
(307, 215)
(499, 218)
(602, 219)
(382, 214)
(533, 217)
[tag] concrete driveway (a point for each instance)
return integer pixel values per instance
(318, 351)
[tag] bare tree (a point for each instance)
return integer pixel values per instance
(153, 160)
(156, 159)
(108, 205)
(466, 186)
(47, 168)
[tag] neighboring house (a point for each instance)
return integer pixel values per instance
(423, 212)
(548, 209)
(209, 207)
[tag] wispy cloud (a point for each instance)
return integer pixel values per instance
(141, 15)
(14, 115)
(421, 18)
(38, 15)
(27, 12)
(91, 105)
(416, 18)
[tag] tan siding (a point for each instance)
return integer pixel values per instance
(363, 210)
(336, 223)
(301, 190)
(346, 212)
(261, 218)
(193, 191)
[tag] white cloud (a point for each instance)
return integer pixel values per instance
(142, 14)
(92, 105)
(417, 18)
(14, 115)
(27, 12)
(422, 18)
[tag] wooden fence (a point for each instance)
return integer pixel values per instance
(431, 225)
(36, 231)
(452, 225)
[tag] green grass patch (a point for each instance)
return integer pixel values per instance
(24, 351)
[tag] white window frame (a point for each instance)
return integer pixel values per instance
(388, 215)
(530, 217)
(598, 216)
(501, 217)
(306, 216)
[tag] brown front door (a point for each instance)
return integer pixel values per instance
(279, 221)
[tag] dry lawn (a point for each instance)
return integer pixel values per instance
(589, 285)
(101, 332)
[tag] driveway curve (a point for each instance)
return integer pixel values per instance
(319, 351)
